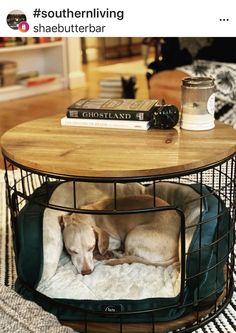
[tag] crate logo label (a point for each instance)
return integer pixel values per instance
(112, 308)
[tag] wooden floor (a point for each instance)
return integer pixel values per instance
(21, 110)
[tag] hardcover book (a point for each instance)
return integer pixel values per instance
(111, 82)
(113, 109)
(110, 94)
(136, 125)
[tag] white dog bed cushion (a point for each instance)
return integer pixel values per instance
(136, 281)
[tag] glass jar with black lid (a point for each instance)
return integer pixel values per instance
(198, 103)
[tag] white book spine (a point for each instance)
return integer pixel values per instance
(137, 125)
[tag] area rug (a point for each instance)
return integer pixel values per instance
(18, 315)
(7, 264)
(225, 323)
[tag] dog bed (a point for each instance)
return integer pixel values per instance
(133, 287)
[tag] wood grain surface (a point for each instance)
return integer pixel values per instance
(43, 144)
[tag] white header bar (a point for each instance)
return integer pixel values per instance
(104, 18)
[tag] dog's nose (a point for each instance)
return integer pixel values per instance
(87, 272)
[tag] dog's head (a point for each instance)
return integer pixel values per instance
(80, 237)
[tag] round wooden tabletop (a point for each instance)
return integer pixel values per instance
(44, 145)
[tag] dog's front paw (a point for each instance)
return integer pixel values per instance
(111, 262)
(108, 255)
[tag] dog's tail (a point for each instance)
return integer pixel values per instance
(135, 259)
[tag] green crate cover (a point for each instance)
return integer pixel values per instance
(29, 263)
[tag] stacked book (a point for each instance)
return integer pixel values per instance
(35, 79)
(118, 87)
(111, 88)
(111, 113)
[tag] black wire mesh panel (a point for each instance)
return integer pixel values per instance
(206, 262)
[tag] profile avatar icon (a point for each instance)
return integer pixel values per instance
(14, 18)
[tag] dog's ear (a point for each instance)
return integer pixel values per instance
(64, 220)
(102, 240)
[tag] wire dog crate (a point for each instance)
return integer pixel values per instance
(206, 260)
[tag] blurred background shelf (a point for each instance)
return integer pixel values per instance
(20, 91)
(44, 58)
(30, 47)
